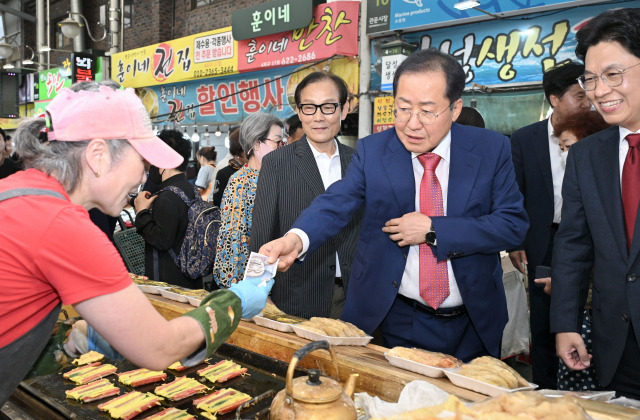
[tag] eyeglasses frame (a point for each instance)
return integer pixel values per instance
(417, 114)
(336, 104)
(604, 79)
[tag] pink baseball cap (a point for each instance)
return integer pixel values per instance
(108, 114)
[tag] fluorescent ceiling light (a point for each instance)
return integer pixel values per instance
(466, 4)
(8, 66)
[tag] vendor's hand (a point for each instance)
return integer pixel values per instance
(547, 284)
(409, 229)
(571, 349)
(253, 297)
(143, 200)
(286, 249)
(517, 259)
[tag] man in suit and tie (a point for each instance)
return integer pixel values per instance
(539, 171)
(600, 235)
(440, 201)
(291, 177)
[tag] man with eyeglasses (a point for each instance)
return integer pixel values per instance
(440, 202)
(539, 171)
(599, 237)
(290, 179)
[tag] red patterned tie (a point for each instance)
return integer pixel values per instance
(631, 185)
(434, 277)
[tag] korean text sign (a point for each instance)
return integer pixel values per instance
(333, 30)
(271, 18)
(197, 56)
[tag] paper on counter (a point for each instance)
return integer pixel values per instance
(258, 268)
(416, 394)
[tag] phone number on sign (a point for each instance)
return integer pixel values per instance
(301, 58)
(216, 71)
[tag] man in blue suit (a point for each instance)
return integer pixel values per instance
(599, 236)
(426, 268)
(539, 171)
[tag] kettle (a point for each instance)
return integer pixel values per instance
(314, 397)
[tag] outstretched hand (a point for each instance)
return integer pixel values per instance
(286, 249)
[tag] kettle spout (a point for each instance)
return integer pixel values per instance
(350, 385)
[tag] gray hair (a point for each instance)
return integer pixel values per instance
(255, 128)
(61, 159)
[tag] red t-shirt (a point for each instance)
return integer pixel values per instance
(50, 251)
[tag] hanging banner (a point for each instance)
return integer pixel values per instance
(50, 82)
(270, 18)
(332, 31)
(383, 113)
(506, 51)
(229, 99)
(197, 56)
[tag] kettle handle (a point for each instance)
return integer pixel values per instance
(304, 351)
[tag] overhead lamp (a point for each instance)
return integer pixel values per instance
(8, 66)
(206, 131)
(45, 48)
(71, 28)
(186, 135)
(195, 137)
(466, 4)
(218, 132)
(30, 59)
(6, 50)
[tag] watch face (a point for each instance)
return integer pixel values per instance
(431, 237)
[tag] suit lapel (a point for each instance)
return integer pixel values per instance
(605, 164)
(345, 157)
(540, 150)
(307, 166)
(463, 170)
(398, 167)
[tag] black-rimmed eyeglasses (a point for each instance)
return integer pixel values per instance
(327, 109)
(611, 78)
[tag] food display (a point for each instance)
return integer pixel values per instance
(421, 361)
(221, 401)
(90, 372)
(140, 377)
(271, 309)
(180, 389)
(87, 358)
(138, 278)
(96, 390)
(171, 414)
(336, 332)
(129, 405)
(149, 286)
(177, 366)
(222, 371)
(493, 371)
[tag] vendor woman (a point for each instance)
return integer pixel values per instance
(99, 139)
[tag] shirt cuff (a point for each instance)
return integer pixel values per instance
(305, 241)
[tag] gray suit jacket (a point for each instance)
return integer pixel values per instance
(289, 181)
(592, 236)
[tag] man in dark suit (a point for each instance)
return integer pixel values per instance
(539, 172)
(440, 201)
(290, 178)
(600, 229)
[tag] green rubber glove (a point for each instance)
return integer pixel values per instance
(219, 314)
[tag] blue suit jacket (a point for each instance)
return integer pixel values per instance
(532, 164)
(592, 241)
(484, 216)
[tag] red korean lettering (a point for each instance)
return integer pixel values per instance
(249, 95)
(228, 99)
(205, 96)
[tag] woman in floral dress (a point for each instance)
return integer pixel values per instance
(259, 134)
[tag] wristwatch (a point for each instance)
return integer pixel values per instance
(430, 237)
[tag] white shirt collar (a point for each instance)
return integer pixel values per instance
(443, 149)
(624, 132)
(317, 154)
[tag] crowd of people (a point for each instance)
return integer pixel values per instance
(401, 236)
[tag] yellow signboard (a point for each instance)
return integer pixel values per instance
(203, 55)
(383, 113)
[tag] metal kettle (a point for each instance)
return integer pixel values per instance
(314, 397)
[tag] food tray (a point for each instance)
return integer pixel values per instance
(335, 341)
(154, 290)
(174, 296)
(274, 325)
(431, 371)
(194, 301)
(479, 386)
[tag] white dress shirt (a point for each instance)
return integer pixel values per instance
(410, 285)
(557, 172)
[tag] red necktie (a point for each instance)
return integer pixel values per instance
(434, 276)
(631, 185)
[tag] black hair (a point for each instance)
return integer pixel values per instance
(318, 76)
(616, 25)
(430, 60)
(470, 116)
(208, 153)
(559, 79)
(235, 148)
(4, 135)
(178, 143)
(293, 123)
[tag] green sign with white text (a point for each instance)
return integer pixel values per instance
(271, 18)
